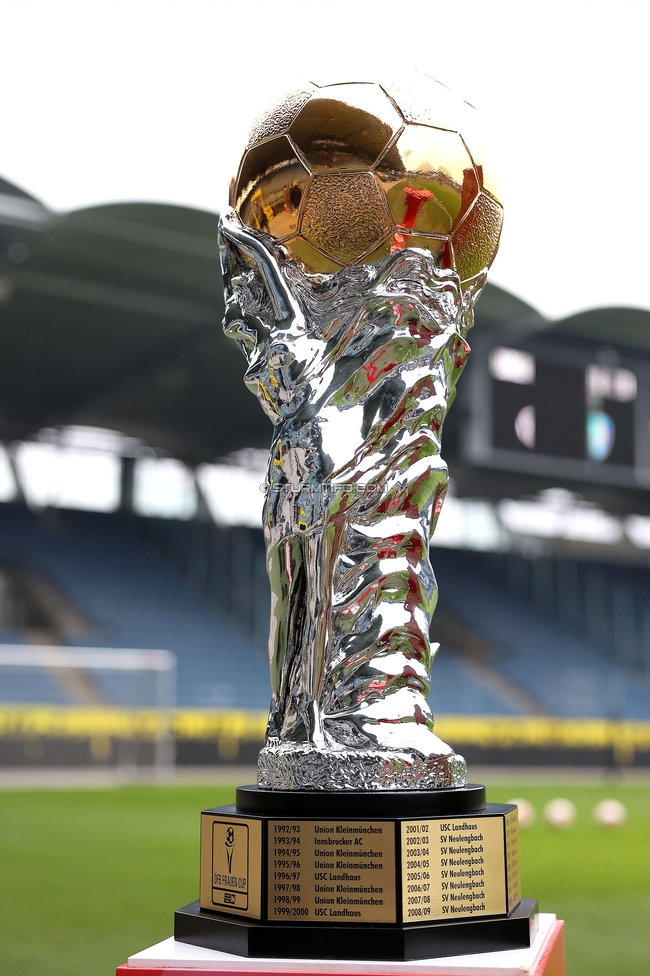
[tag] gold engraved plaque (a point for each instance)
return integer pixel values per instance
(454, 868)
(231, 865)
(512, 858)
(331, 871)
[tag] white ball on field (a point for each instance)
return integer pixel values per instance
(560, 813)
(526, 811)
(610, 813)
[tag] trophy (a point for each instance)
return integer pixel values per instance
(363, 219)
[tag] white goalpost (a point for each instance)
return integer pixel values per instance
(157, 695)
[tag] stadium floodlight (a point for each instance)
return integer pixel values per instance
(160, 663)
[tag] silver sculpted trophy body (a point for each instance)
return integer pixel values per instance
(363, 220)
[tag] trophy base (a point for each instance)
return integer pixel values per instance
(381, 875)
(301, 766)
(304, 941)
(453, 800)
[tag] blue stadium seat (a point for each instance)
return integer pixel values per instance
(567, 675)
(132, 598)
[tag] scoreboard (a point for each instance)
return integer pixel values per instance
(556, 410)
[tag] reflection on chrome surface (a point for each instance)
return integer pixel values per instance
(356, 371)
(364, 219)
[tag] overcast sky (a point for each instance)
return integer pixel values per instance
(106, 100)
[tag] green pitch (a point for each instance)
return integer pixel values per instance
(87, 877)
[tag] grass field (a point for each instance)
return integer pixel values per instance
(88, 877)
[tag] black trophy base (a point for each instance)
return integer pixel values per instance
(324, 941)
(455, 800)
(384, 875)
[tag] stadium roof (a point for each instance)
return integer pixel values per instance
(111, 317)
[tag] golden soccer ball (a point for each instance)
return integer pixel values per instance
(345, 174)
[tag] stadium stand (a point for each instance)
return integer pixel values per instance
(564, 673)
(456, 690)
(129, 598)
(498, 655)
(227, 566)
